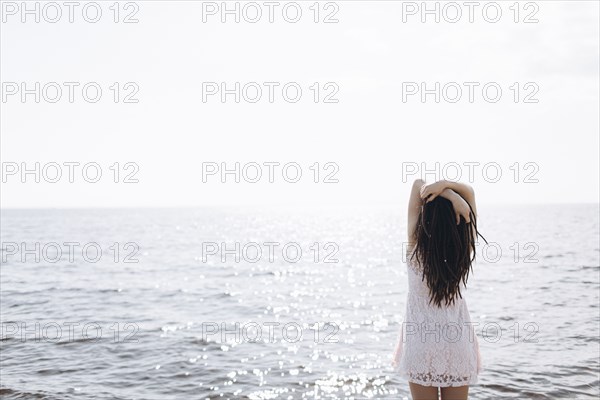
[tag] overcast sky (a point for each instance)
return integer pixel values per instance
(369, 136)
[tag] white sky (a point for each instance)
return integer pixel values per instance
(368, 134)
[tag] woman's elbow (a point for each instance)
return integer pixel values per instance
(418, 183)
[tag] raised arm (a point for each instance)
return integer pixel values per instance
(431, 191)
(414, 209)
(460, 205)
(465, 191)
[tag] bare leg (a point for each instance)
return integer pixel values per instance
(455, 393)
(420, 392)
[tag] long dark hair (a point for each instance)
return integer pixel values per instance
(445, 250)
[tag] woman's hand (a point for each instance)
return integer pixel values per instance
(461, 209)
(433, 190)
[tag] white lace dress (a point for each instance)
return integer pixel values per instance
(436, 346)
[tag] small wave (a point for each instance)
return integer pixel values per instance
(11, 394)
(53, 371)
(76, 341)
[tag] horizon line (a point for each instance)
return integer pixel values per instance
(311, 205)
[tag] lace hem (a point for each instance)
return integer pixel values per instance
(440, 380)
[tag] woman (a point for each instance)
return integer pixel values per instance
(438, 348)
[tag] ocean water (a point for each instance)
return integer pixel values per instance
(164, 327)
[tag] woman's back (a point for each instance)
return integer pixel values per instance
(438, 346)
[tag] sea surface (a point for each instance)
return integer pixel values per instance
(154, 315)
